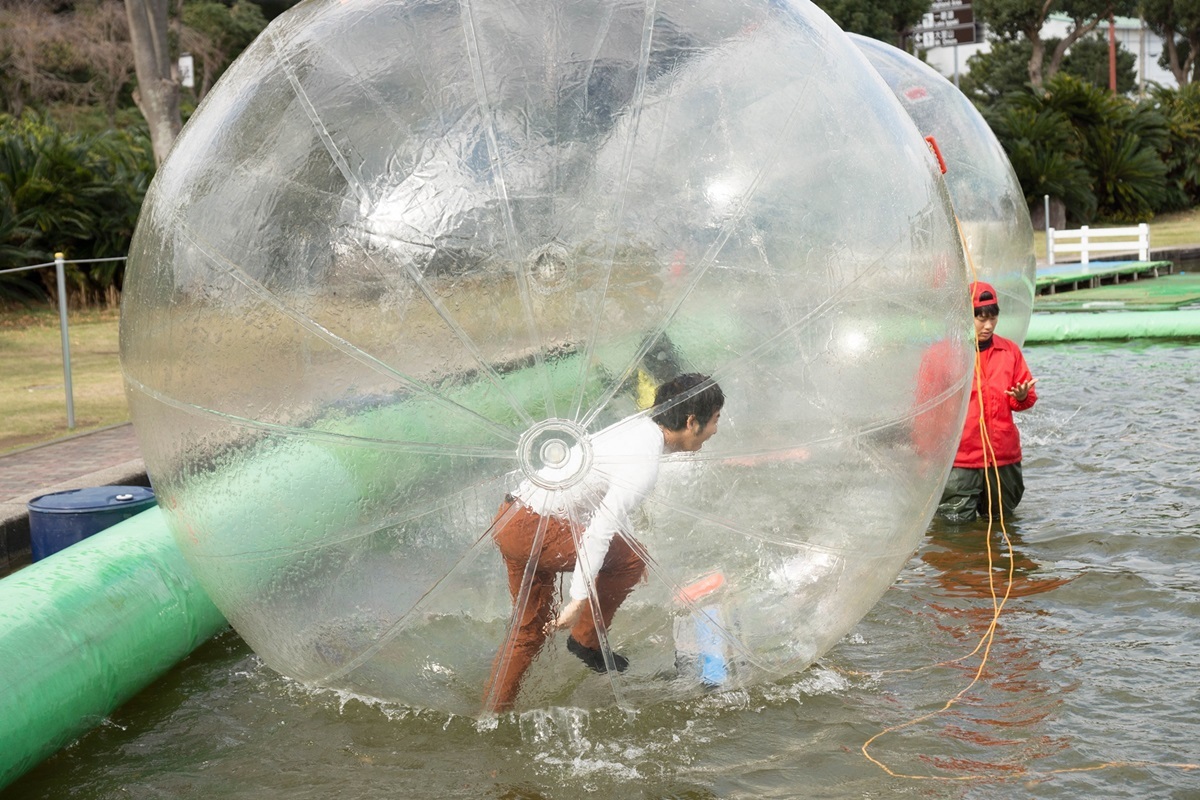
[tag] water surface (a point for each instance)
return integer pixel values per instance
(1091, 685)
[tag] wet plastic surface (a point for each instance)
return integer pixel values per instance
(988, 200)
(405, 257)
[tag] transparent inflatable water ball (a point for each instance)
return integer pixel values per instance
(406, 257)
(987, 197)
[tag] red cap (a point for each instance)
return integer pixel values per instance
(979, 287)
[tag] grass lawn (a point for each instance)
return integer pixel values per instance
(31, 375)
(32, 391)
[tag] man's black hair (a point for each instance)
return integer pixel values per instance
(687, 395)
(992, 310)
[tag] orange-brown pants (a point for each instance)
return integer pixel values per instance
(621, 571)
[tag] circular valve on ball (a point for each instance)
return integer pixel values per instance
(555, 454)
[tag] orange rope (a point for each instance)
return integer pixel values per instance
(988, 637)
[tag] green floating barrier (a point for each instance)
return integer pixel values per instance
(86, 629)
(1074, 327)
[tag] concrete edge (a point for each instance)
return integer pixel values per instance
(1183, 252)
(65, 438)
(15, 547)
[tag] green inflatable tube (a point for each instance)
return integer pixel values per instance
(1080, 326)
(86, 629)
(83, 631)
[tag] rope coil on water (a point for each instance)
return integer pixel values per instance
(998, 603)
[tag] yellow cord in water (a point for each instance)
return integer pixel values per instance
(986, 640)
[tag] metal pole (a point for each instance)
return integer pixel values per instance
(1112, 54)
(1142, 58)
(1046, 221)
(59, 267)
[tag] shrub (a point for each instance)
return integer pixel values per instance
(1045, 151)
(1100, 154)
(73, 193)
(1181, 150)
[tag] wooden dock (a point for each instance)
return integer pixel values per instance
(1167, 292)
(1075, 276)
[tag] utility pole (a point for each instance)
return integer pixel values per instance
(1112, 54)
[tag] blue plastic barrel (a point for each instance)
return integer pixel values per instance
(61, 519)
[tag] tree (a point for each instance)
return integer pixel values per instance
(1088, 61)
(82, 55)
(215, 34)
(37, 62)
(81, 58)
(273, 8)
(14, 228)
(1012, 19)
(75, 193)
(1098, 153)
(1045, 151)
(1122, 141)
(157, 95)
(887, 20)
(994, 73)
(1004, 68)
(101, 37)
(1177, 22)
(1181, 153)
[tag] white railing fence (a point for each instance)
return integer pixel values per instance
(1086, 241)
(59, 263)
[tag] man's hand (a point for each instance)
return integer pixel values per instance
(567, 616)
(1021, 390)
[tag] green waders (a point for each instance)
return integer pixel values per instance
(966, 495)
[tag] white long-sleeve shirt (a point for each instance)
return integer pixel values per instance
(625, 459)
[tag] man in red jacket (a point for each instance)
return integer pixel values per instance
(990, 448)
